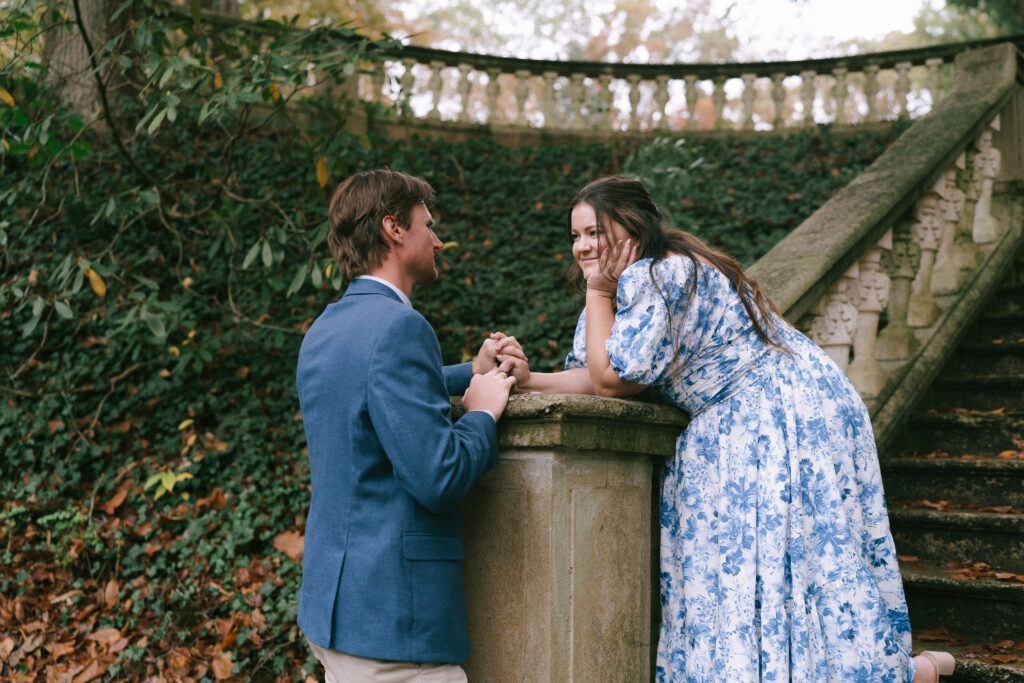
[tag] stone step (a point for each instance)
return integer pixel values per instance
(987, 358)
(1008, 298)
(974, 661)
(988, 481)
(1003, 325)
(944, 535)
(982, 610)
(985, 434)
(977, 392)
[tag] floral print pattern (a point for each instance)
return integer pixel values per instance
(777, 563)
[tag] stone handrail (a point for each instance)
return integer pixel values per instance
(920, 237)
(462, 88)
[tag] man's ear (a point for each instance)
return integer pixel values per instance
(392, 231)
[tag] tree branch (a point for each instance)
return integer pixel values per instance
(102, 90)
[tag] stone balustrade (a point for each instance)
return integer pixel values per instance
(469, 89)
(886, 274)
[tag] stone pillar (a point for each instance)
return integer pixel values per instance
(547, 100)
(661, 101)
(967, 253)
(897, 340)
(779, 99)
(407, 82)
(718, 101)
(865, 372)
(841, 94)
(522, 91)
(577, 94)
(836, 323)
(927, 231)
(749, 93)
(492, 91)
(691, 101)
(558, 541)
(947, 276)
(634, 101)
(464, 87)
(807, 90)
(435, 84)
(871, 92)
(986, 168)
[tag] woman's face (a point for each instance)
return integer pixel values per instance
(588, 239)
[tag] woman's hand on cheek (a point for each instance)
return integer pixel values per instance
(612, 260)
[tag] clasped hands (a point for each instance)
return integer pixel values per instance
(503, 355)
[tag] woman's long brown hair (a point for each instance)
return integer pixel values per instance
(617, 199)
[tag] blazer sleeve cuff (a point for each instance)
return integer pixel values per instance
(456, 378)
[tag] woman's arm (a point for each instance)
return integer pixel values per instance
(575, 381)
(602, 287)
(604, 379)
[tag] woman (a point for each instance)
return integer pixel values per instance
(776, 557)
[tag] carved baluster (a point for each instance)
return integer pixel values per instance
(897, 340)
(691, 102)
(902, 88)
(718, 100)
(661, 101)
(934, 79)
(434, 84)
(576, 93)
(634, 101)
(871, 91)
(522, 91)
(547, 100)
(748, 101)
(377, 83)
(927, 231)
(841, 93)
(987, 162)
(779, 98)
(464, 87)
(967, 254)
(872, 296)
(836, 323)
(947, 276)
(807, 96)
(407, 82)
(604, 102)
(492, 95)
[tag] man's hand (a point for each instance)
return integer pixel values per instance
(488, 391)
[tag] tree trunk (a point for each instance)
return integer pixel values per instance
(227, 7)
(70, 74)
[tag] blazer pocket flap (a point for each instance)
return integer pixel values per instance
(432, 547)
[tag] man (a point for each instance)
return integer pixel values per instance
(381, 596)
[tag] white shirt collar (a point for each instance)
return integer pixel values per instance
(396, 290)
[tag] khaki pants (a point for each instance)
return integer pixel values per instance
(345, 668)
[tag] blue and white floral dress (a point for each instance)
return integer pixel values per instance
(777, 563)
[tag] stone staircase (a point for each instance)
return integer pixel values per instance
(954, 480)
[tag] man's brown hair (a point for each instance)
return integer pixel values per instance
(357, 210)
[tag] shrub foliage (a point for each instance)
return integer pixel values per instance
(154, 479)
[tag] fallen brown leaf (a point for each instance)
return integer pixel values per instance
(221, 665)
(105, 636)
(291, 544)
(60, 649)
(110, 593)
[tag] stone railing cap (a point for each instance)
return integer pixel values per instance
(575, 422)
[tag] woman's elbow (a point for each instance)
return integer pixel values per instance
(610, 390)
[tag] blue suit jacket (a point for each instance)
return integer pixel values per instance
(382, 571)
